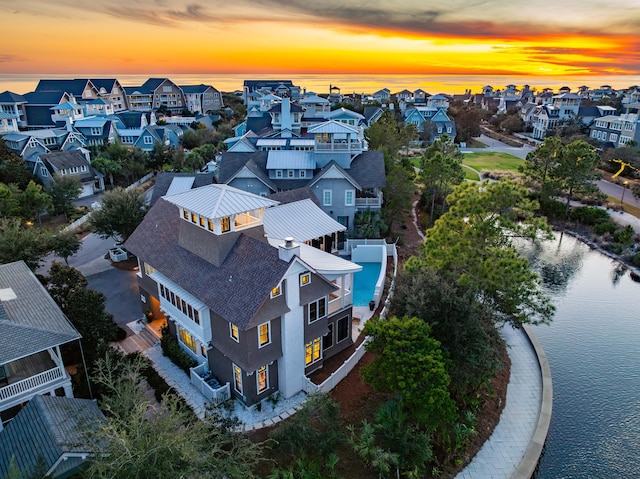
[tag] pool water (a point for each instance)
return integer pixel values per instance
(364, 283)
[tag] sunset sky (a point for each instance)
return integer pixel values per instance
(538, 37)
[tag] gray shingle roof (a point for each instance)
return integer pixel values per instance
(65, 159)
(368, 169)
(75, 87)
(231, 162)
(235, 290)
(46, 428)
(298, 194)
(32, 321)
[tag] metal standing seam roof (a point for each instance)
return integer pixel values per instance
(302, 142)
(271, 142)
(332, 126)
(91, 122)
(31, 321)
(217, 201)
(301, 220)
(180, 184)
(290, 159)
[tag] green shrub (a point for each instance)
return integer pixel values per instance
(552, 208)
(172, 350)
(635, 260)
(605, 227)
(588, 215)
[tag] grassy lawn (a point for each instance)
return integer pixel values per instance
(470, 175)
(492, 161)
(473, 143)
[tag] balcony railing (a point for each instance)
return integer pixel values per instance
(31, 383)
(208, 386)
(336, 303)
(357, 146)
(369, 202)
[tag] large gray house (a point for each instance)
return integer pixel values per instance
(258, 314)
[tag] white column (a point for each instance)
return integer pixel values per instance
(291, 365)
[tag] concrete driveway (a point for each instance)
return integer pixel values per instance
(121, 290)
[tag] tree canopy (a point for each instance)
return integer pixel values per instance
(408, 361)
(472, 244)
(142, 441)
(120, 213)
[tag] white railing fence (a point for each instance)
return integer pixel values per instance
(216, 395)
(30, 383)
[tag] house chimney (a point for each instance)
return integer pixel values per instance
(288, 250)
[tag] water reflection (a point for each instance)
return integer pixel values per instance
(556, 264)
(592, 347)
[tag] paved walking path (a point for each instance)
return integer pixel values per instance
(503, 452)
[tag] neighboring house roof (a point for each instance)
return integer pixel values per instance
(10, 97)
(278, 108)
(368, 169)
(235, 290)
(165, 182)
(302, 220)
(332, 126)
(258, 172)
(46, 430)
(191, 89)
(30, 320)
(290, 160)
(75, 87)
(297, 194)
(218, 201)
(231, 162)
(332, 165)
(132, 119)
(65, 159)
(107, 83)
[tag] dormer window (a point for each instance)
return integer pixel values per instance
(305, 279)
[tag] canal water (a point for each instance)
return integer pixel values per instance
(593, 347)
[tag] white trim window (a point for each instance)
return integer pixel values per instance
(349, 196)
(317, 310)
(303, 173)
(148, 140)
(277, 291)
(305, 279)
(262, 379)
(264, 334)
(278, 173)
(313, 351)
(234, 332)
(237, 378)
(291, 174)
(326, 197)
(44, 171)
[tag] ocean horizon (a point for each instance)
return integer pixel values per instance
(347, 83)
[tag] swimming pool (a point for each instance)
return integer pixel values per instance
(364, 283)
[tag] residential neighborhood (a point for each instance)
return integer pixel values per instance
(267, 238)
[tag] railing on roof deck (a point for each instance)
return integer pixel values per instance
(31, 383)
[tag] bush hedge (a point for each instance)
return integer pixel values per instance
(172, 350)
